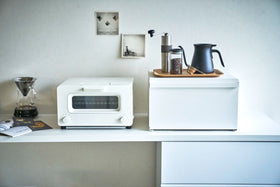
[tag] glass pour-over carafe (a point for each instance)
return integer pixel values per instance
(25, 97)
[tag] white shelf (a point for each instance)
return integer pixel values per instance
(257, 127)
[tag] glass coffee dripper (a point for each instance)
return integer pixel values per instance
(25, 97)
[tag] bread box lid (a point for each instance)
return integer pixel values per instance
(224, 81)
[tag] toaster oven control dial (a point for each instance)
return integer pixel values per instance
(66, 119)
(124, 119)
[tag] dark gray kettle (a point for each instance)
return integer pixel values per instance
(202, 57)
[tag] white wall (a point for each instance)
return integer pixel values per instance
(55, 40)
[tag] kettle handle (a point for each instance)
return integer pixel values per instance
(216, 51)
(184, 55)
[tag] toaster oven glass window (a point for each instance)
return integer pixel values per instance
(95, 102)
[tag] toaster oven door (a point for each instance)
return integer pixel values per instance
(94, 103)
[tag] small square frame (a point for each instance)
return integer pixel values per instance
(107, 23)
(133, 46)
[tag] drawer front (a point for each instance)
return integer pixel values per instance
(198, 185)
(193, 108)
(220, 162)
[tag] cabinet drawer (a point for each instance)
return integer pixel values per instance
(217, 185)
(220, 163)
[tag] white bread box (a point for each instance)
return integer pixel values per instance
(193, 103)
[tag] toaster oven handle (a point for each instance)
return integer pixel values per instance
(93, 89)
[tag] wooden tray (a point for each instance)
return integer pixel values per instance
(158, 73)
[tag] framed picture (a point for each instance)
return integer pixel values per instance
(133, 46)
(107, 23)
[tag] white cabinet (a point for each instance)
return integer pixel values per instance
(226, 163)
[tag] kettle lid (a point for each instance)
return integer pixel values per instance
(204, 45)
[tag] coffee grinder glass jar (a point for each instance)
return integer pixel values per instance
(176, 59)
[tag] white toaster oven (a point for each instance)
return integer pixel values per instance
(98, 102)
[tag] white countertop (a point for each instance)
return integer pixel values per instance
(257, 127)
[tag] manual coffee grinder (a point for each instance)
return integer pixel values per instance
(25, 97)
(166, 46)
